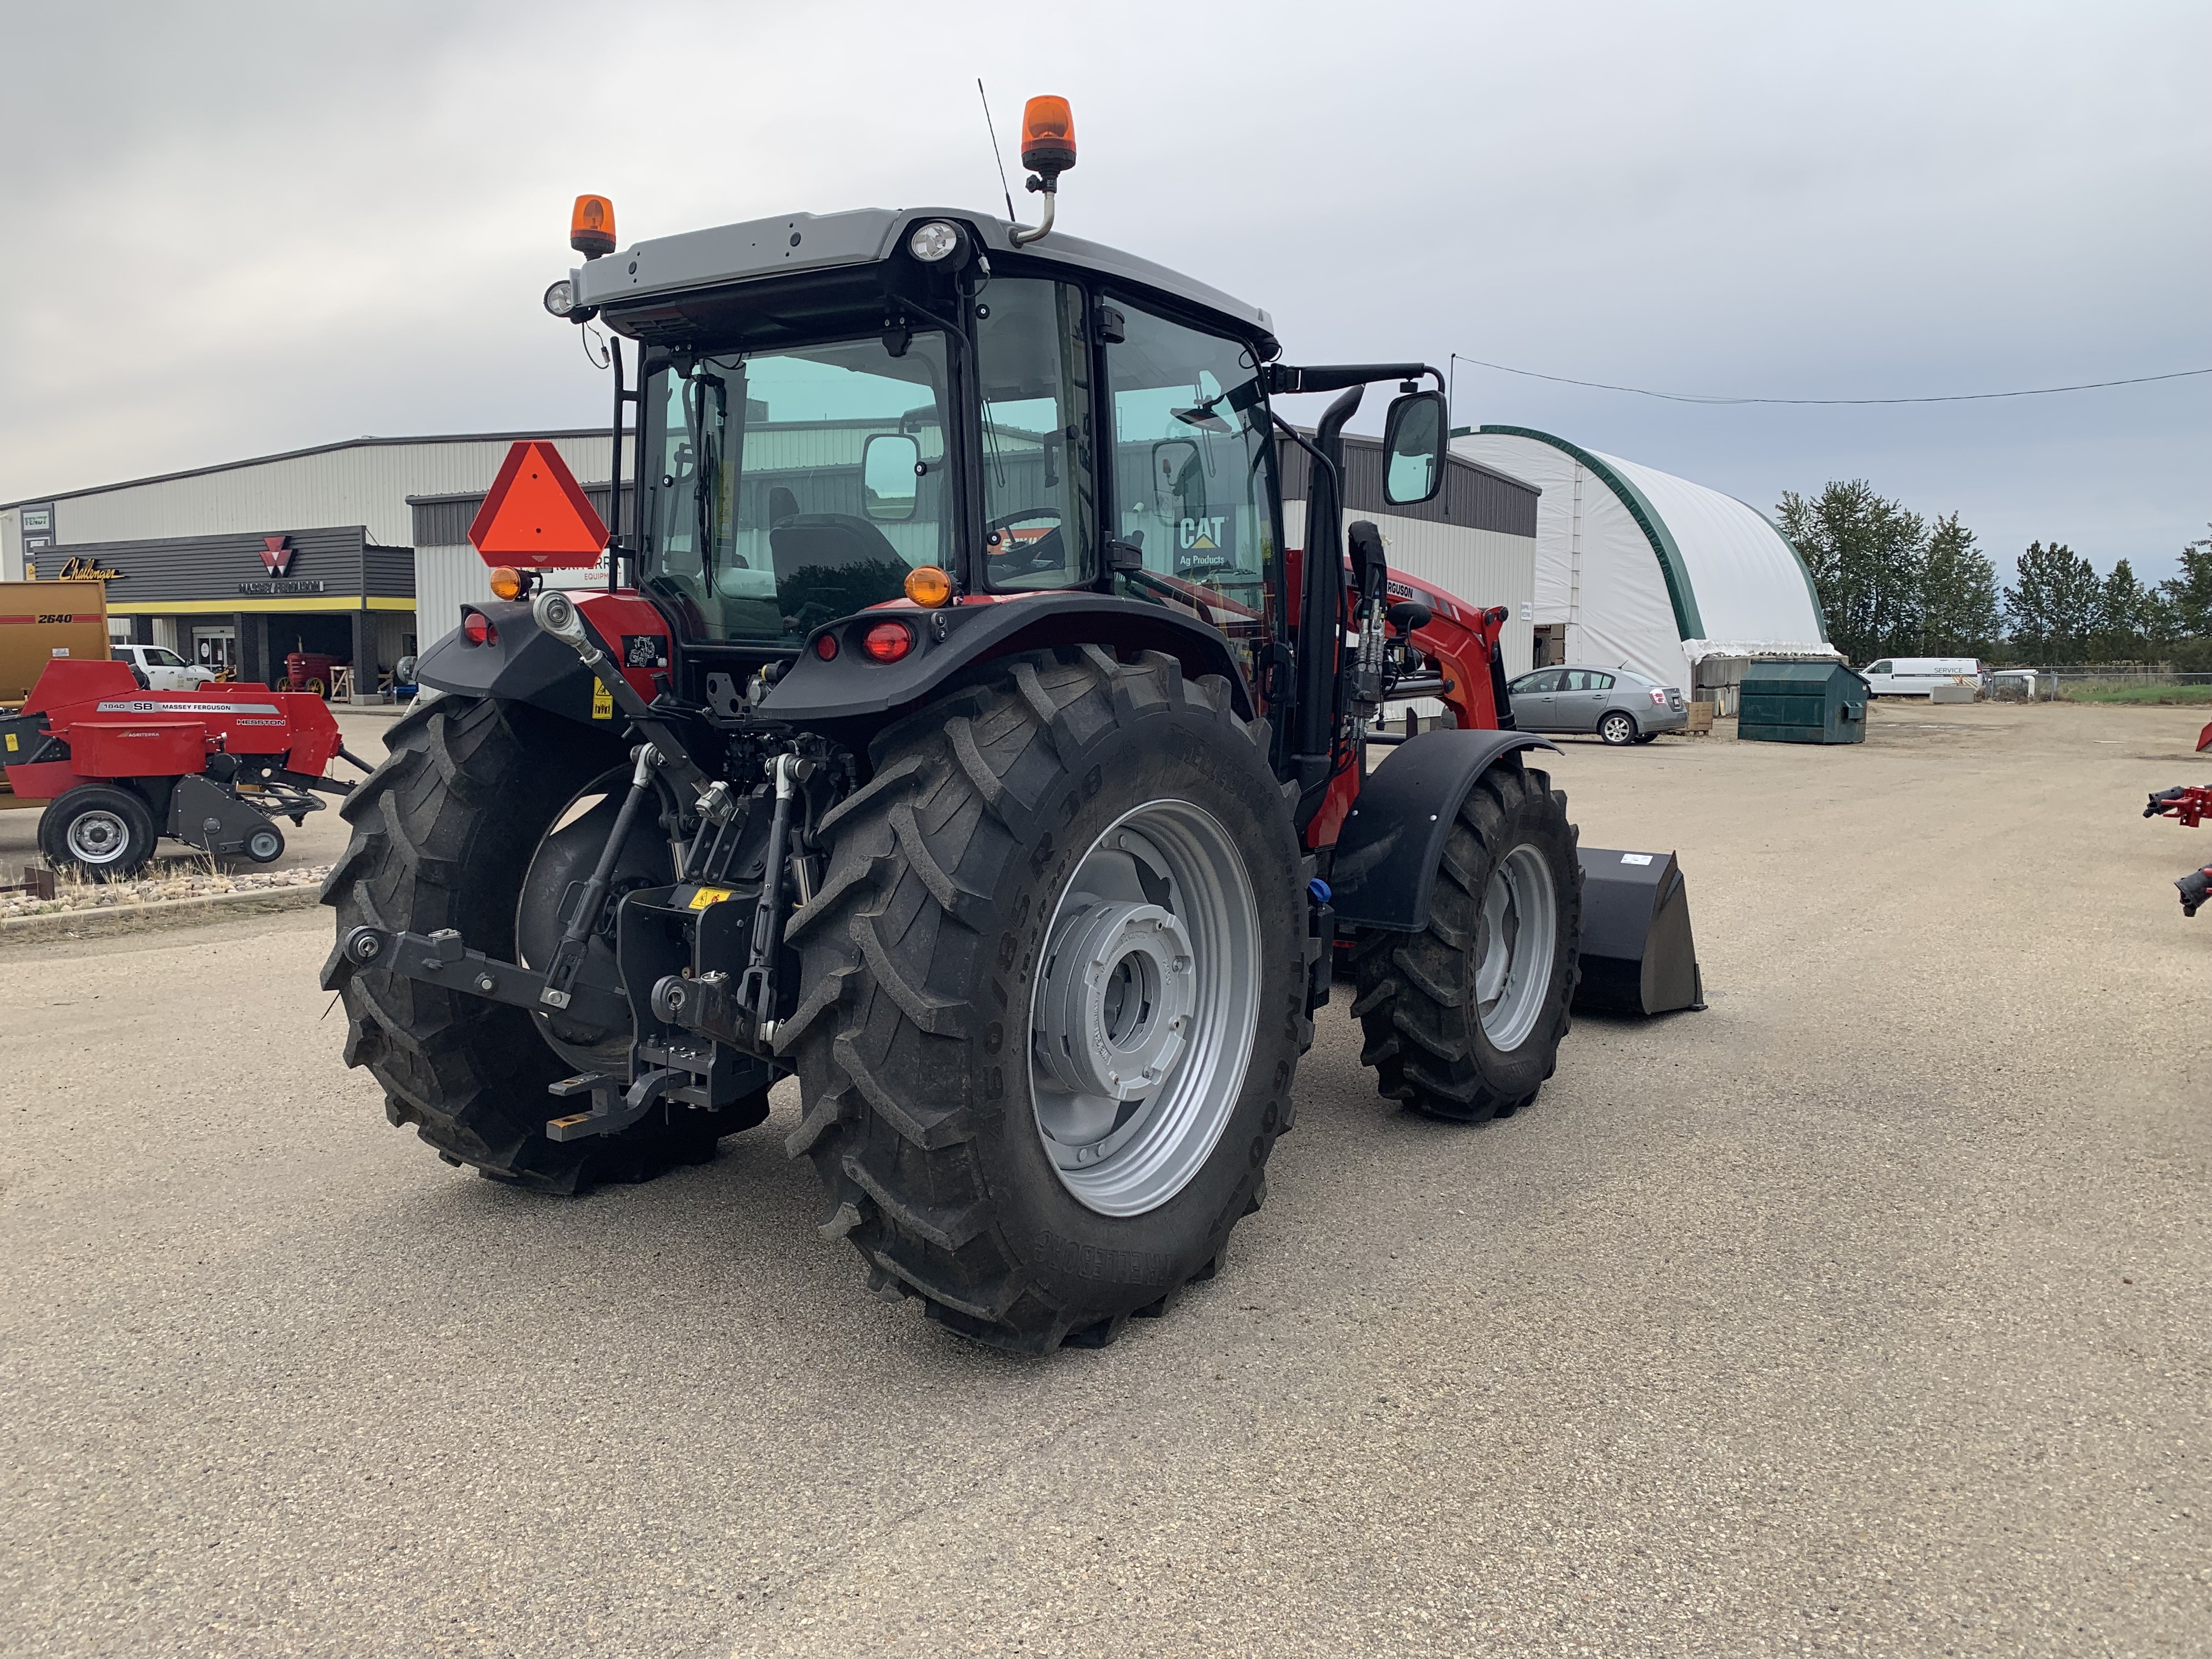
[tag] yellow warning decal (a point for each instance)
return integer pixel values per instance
(12, 745)
(603, 702)
(706, 895)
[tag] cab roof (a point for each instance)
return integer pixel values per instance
(759, 248)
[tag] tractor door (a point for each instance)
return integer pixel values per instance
(1193, 482)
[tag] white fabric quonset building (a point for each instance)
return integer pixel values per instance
(1637, 568)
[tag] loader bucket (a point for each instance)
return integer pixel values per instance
(1638, 956)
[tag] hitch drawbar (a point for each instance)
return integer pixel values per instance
(441, 959)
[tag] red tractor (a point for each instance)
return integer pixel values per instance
(959, 732)
(213, 767)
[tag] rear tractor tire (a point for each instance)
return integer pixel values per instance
(1463, 1019)
(453, 831)
(1053, 997)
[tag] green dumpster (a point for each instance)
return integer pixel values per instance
(1801, 702)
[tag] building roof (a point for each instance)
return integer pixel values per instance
(295, 454)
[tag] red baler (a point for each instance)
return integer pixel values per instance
(121, 767)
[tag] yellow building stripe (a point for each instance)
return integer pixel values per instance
(323, 602)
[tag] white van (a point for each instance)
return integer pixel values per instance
(161, 670)
(1918, 677)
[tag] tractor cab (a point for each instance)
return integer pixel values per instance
(932, 397)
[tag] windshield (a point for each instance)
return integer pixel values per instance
(786, 488)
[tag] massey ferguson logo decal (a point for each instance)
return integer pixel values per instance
(276, 553)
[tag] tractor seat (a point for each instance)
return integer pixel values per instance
(832, 564)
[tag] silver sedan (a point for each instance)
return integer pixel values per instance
(1618, 704)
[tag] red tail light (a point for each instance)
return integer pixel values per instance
(826, 647)
(476, 629)
(887, 641)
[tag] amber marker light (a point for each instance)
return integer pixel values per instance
(928, 587)
(1048, 135)
(507, 582)
(591, 227)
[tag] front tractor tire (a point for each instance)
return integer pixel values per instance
(445, 833)
(1052, 997)
(1463, 1019)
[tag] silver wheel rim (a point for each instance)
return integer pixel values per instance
(99, 836)
(1619, 728)
(1517, 944)
(1146, 1005)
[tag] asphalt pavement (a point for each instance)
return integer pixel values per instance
(1864, 1313)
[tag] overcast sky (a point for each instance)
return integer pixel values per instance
(238, 228)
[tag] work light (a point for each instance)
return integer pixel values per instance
(934, 241)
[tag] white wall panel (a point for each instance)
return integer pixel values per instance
(364, 484)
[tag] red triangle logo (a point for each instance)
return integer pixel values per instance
(536, 515)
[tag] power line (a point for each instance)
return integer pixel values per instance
(1953, 398)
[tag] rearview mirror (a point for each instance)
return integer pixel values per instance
(1175, 478)
(1413, 449)
(891, 471)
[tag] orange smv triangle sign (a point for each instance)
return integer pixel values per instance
(536, 514)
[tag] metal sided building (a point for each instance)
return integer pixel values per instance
(235, 565)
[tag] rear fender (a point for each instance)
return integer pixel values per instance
(521, 663)
(852, 690)
(1385, 868)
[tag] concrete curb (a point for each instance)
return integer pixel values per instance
(161, 913)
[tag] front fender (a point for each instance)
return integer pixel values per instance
(1385, 868)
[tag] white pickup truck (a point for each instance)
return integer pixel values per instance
(161, 669)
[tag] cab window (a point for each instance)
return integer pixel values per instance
(1191, 450)
(1882, 667)
(786, 488)
(1544, 680)
(1040, 498)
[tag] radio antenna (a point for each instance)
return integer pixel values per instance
(989, 127)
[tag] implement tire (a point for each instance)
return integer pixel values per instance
(961, 904)
(443, 833)
(1463, 1019)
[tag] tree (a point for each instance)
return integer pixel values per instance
(2120, 623)
(1866, 555)
(1958, 605)
(2189, 593)
(2053, 602)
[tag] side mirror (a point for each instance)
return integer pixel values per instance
(890, 474)
(1413, 449)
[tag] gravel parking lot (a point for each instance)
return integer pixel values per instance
(1866, 1312)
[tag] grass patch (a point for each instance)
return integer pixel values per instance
(2126, 691)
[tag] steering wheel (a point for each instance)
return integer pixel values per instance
(1038, 555)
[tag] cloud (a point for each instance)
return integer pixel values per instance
(252, 227)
